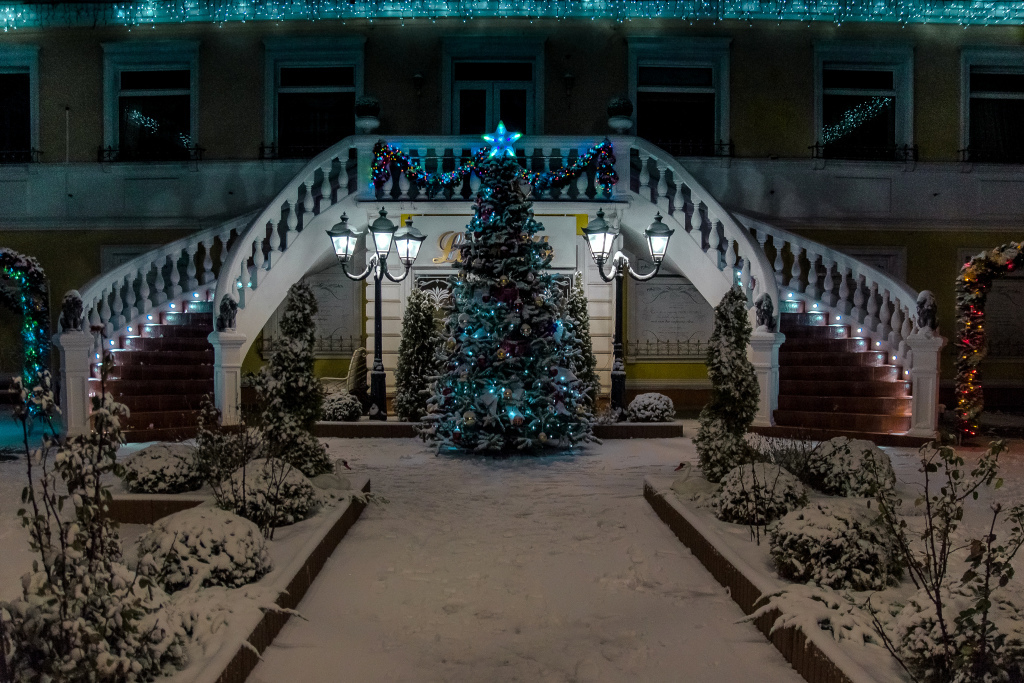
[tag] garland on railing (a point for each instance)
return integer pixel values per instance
(972, 286)
(385, 156)
(30, 297)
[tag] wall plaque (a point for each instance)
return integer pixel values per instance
(668, 318)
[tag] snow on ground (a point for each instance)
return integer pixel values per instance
(526, 569)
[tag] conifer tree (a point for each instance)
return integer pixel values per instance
(735, 392)
(583, 348)
(291, 396)
(417, 362)
(506, 379)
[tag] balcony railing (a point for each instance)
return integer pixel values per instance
(993, 155)
(275, 151)
(113, 154)
(657, 349)
(865, 152)
(338, 346)
(20, 156)
(695, 148)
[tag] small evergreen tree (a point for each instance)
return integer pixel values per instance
(355, 380)
(417, 363)
(735, 392)
(583, 348)
(291, 395)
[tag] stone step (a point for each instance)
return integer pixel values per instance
(147, 387)
(870, 358)
(848, 345)
(204, 320)
(162, 419)
(875, 405)
(843, 373)
(790, 320)
(147, 403)
(157, 372)
(190, 331)
(842, 421)
(128, 357)
(196, 306)
(817, 332)
(166, 343)
(840, 388)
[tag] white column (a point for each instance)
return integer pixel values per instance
(75, 369)
(227, 374)
(924, 376)
(764, 355)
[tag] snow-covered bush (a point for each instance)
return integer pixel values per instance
(838, 545)
(342, 407)
(417, 363)
(270, 492)
(758, 493)
(203, 547)
(652, 407)
(724, 420)
(162, 468)
(849, 467)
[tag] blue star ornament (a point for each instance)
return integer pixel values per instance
(502, 142)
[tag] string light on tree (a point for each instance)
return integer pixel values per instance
(30, 297)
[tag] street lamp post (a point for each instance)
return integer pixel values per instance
(383, 233)
(601, 236)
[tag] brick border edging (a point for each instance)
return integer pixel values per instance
(364, 429)
(801, 651)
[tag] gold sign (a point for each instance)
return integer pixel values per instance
(450, 243)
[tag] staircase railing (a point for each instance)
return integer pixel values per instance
(877, 305)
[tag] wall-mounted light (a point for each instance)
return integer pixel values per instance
(569, 80)
(417, 83)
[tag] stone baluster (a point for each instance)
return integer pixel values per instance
(325, 189)
(129, 297)
(275, 241)
(884, 313)
(895, 325)
(858, 311)
(343, 175)
(293, 226)
(474, 182)
(403, 186)
(906, 330)
(714, 242)
(662, 189)
(778, 265)
(581, 179)
(871, 320)
(241, 283)
(158, 284)
(730, 254)
(105, 314)
(827, 294)
(307, 200)
(116, 306)
(207, 275)
(679, 202)
(745, 280)
(190, 268)
(564, 158)
(697, 223)
(645, 177)
(94, 322)
(795, 282)
(258, 259)
(144, 303)
(175, 275)
(812, 289)
(843, 303)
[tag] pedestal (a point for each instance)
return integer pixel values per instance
(227, 374)
(924, 378)
(764, 355)
(76, 357)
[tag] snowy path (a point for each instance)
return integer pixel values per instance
(551, 569)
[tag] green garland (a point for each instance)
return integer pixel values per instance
(31, 298)
(972, 286)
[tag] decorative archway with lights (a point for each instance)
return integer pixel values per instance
(28, 295)
(972, 287)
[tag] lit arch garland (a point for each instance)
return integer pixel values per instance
(972, 287)
(30, 296)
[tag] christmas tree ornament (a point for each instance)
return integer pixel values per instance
(542, 437)
(507, 393)
(501, 354)
(450, 344)
(525, 329)
(469, 418)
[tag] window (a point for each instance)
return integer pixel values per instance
(312, 85)
(492, 80)
(681, 91)
(150, 101)
(993, 82)
(863, 102)
(19, 104)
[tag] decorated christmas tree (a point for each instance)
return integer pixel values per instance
(506, 380)
(291, 396)
(583, 348)
(724, 420)
(417, 361)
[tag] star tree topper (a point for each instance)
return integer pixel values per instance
(502, 142)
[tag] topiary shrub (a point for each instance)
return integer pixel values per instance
(417, 364)
(270, 492)
(203, 547)
(838, 546)
(342, 408)
(758, 493)
(162, 468)
(652, 407)
(849, 467)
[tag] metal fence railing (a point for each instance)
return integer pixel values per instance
(665, 349)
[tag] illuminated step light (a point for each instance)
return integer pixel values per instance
(149, 317)
(172, 305)
(195, 295)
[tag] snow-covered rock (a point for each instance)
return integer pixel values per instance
(342, 407)
(162, 468)
(203, 547)
(269, 492)
(651, 407)
(838, 545)
(849, 467)
(758, 493)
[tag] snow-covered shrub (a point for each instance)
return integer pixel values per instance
(758, 493)
(417, 363)
(270, 492)
(838, 545)
(343, 407)
(724, 420)
(203, 547)
(162, 468)
(651, 407)
(849, 467)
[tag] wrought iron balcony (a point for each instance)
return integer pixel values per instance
(993, 155)
(864, 152)
(20, 156)
(115, 154)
